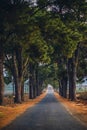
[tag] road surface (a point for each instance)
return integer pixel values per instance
(49, 114)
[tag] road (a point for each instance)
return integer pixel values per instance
(49, 114)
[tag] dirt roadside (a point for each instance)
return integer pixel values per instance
(9, 113)
(78, 108)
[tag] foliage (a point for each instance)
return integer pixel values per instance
(63, 38)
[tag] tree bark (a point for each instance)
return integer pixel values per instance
(64, 88)
(22, 90)
(69, 70)
(61, 93)
(1, 77)
(73, 87)
(18, 71)
(60, 88)
(37, 82)
(72, 67)
(34, 80)
(30, 81)
(17, 81)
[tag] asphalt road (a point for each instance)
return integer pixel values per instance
(49, 114)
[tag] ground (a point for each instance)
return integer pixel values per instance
(8, 113)
(76, 108)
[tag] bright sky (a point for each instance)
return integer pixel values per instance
(50, 89)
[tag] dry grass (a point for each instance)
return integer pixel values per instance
(10, 112)
(77, 108)
(82, 95)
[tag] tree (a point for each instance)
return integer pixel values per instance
(73, 12)
(37, 55)
(64, 41)
(2, 43)
(9, 28)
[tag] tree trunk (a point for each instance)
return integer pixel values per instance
(18, 74)
(19, 65)
(72, 80)
(37, 82)
(34, 81)
(65, 88)
(69, 76)
(40, 86)
(72, 74)
(37, 87)
(30, 81)
(60, 87)
(16, 81)
(73, 92)
(22, 91)
(34, 90)
(63, 83)
(1, 77)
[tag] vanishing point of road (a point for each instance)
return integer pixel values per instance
(49, 114)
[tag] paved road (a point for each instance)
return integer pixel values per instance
(49, 114)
